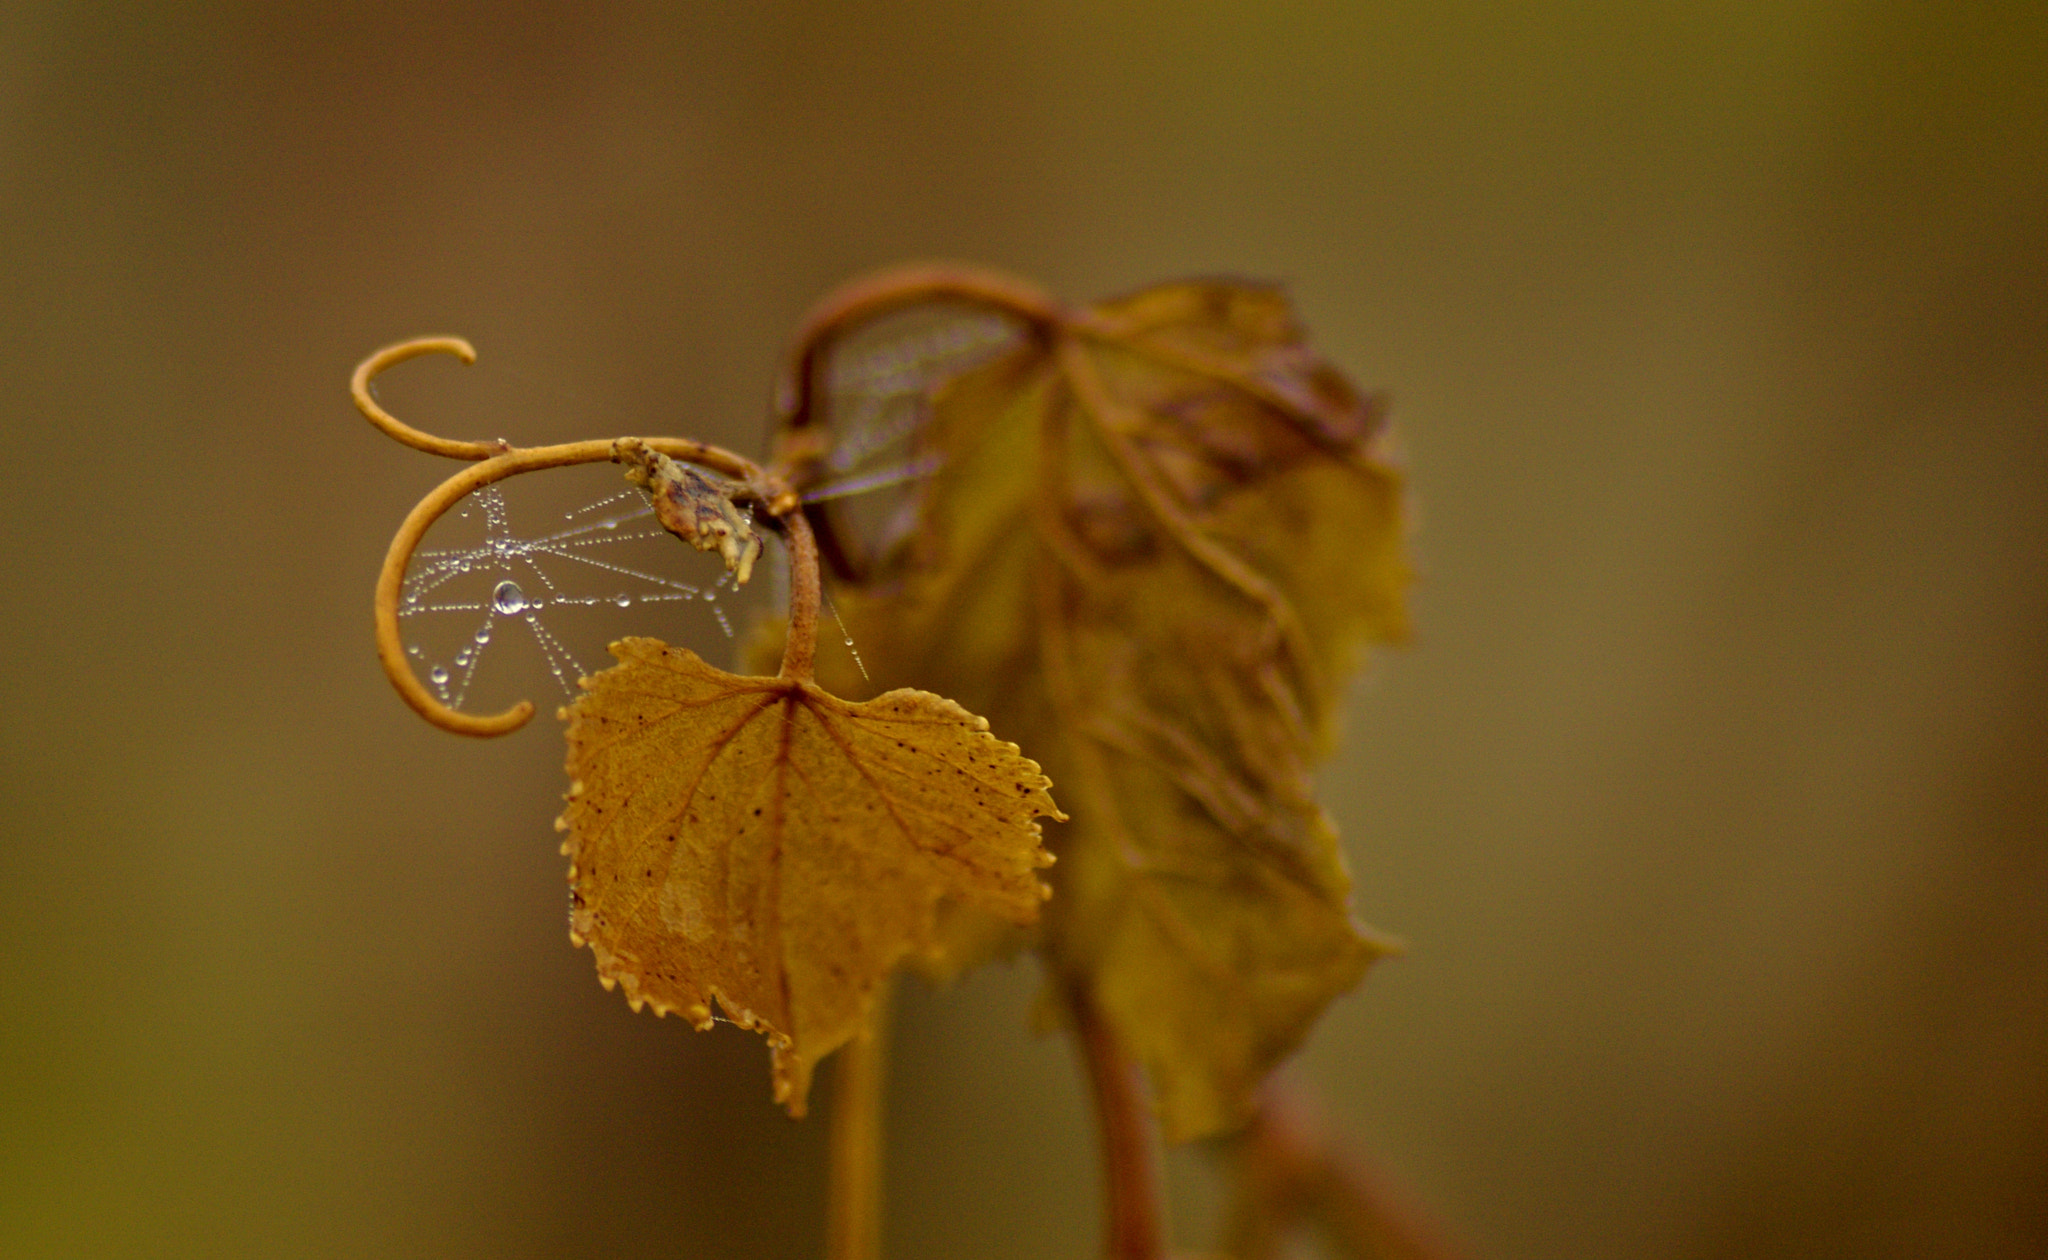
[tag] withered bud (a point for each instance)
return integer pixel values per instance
(694, 506)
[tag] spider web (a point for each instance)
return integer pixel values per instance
(879, 382)
(456, 602)
(557, 595)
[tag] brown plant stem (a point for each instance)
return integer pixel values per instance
(799, 651)
(1130, 1159)
(853, 1205)
(1292, 1172)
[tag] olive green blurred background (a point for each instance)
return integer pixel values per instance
(1710, 795)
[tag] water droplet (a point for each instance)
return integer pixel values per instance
(483, 634)
(623, 601)
(438, 676)
(711, 596)
(414, 650)
(507, 599)
(611, 522)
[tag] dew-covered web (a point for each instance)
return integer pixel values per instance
(878, 387)
(846, 637)
(457, 602)
(517, 571)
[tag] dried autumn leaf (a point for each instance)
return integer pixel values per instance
(1157, 534)
(760, 843)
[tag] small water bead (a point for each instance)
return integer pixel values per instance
(438, 676)
(507, 599)
(483, 634)
(605, 502)
(848, 636)
(623, 601)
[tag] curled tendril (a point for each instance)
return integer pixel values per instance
(389, 356)
(496, 461)
(771, 488)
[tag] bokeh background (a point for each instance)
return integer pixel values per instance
(1710, 795)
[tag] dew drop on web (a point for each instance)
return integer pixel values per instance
(846, 636)
(508, 600)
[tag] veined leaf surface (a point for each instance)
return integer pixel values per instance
(760, 843)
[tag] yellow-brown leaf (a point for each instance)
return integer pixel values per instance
(762, 844)
(1158, 533)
